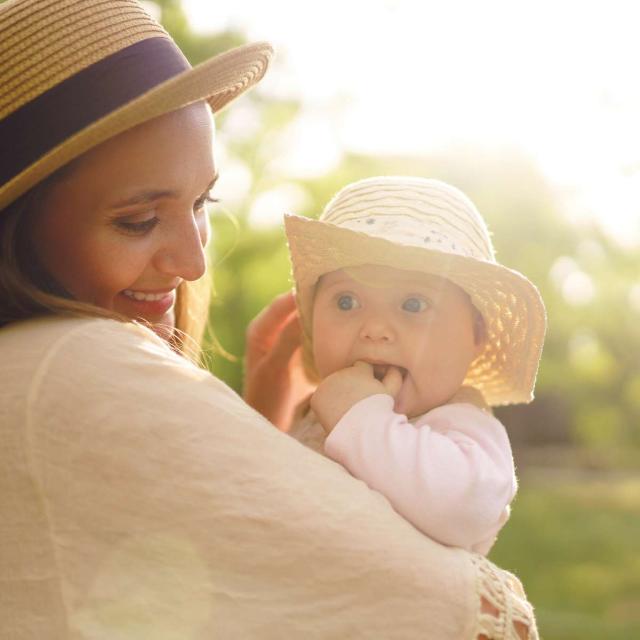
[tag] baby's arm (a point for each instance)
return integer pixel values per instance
(451, 475)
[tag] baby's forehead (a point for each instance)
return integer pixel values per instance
(382, 276)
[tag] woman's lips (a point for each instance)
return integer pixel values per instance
(151, 308)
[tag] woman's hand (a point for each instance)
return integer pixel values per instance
(274, 380)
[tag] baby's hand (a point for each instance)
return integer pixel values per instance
(338, 392)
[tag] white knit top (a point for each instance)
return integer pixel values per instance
(141, 498)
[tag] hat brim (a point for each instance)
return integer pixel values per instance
(219, 81)
(509, 303)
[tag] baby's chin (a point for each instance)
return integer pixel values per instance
(410, 403)
(410, 409)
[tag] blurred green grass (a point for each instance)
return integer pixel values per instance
(574, 540)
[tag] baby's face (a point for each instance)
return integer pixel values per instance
(421, 323)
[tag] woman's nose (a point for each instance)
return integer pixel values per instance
(183, 255)
(377, 328)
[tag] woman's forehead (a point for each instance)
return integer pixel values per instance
(172, 153)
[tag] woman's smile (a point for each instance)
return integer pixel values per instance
(149, 304)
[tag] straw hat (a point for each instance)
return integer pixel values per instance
(74, 73)
(426, 225)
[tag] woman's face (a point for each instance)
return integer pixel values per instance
(128, 224)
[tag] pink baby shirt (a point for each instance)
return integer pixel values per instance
(449, 472)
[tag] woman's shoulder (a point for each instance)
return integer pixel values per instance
(47, 334)
(82, 368)
(30, 349)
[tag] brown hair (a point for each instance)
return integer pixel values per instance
(27, 290)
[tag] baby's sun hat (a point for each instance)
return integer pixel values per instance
(74, 73)
(426, 225)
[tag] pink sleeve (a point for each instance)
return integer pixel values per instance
(451, 474)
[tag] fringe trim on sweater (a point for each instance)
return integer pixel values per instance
(504, 591)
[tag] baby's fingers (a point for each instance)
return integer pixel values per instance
(392, 381)
(363, 366)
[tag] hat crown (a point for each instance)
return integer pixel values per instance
(44, 42)
(74, 73)
(385, 221)
(412, 211)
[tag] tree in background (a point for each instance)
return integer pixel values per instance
(572, 538)
(588, 391)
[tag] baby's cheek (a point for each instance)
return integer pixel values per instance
(416, 397)
(324, 361)
(332, 353)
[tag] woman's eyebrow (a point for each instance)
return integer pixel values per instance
(146, 197)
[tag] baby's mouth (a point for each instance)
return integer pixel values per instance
(380, 370)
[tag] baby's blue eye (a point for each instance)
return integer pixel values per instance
(414, 305)
(347, 302)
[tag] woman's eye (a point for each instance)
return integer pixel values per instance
(414, 305)
(347, 302)
(202, 200)
(138, 228)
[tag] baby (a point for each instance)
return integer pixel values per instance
(413, 331)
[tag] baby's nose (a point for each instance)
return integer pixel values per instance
(377, 329)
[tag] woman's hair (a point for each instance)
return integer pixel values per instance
(27, 290)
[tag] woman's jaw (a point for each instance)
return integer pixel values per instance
(155, 307)
(148, 304)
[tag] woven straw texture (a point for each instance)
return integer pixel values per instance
(426, 225)
(44, 42)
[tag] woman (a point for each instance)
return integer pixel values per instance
(140, 497)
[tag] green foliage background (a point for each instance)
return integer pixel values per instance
(574, 530)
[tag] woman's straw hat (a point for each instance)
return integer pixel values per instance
(426, 225)
(74, 73)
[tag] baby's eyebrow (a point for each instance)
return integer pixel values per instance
(424, 286)
(335, 283)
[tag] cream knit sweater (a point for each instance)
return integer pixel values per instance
(141, 498)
